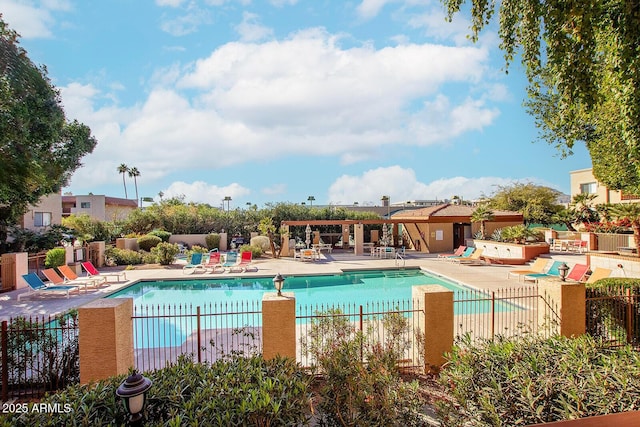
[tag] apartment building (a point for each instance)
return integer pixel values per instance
(583, 182)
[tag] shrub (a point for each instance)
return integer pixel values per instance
(123, 256)
(212, 240)
(520, 233)
(261, 242)
(55, 258)
(533, 380)
(165, 253)
(240, 391)
(147, 242)
(360, 380)
(164, 235)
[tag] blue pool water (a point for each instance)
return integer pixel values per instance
(352, 288)
(356, 287)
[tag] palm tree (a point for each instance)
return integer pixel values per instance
(123, 169)
(631, 211)
(482, 214)
(135, 173)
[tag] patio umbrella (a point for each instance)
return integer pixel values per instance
(385, 234)
(307, 232)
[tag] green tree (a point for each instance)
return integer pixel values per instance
(135, 173)
(630, 211)
(582, 208)
(39, 148)
(482, 214)
(123, 169)
(536, 203)
(581, 60)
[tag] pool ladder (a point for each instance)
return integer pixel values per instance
(400, 258)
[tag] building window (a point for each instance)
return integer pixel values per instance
(41, 219)
(85, 205)
(589, 188)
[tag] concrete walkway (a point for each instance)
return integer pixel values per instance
(485, 277)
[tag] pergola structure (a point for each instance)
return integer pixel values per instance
(432, 229)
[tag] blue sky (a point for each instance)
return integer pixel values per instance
(275, 101)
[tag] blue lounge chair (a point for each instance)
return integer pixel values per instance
(39, 287)
(466, 254)
(552, 272)
(195, 265)
(230, 260)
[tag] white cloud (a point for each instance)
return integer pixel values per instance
(186, 23)
(370, 8)
(203, 192)
(401, 184)
(250, 30)
(434, 24)
(170, 3)
(28, 20)
(305, 95)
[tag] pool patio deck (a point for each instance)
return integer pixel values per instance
(485, 277)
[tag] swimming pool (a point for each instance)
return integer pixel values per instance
(353, 287)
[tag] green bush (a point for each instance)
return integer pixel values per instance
(164, 235)
(212, 240)
(256, 252)
(165, 253)
(55, 258)
(123, 256)
(355, 392)
(239, 391)
(147, 242)
(261, 242)
(533, 380)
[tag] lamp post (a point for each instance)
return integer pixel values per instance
(228, 200)
(563, 269)
(278, 283)
(133, 392)
(311, 199)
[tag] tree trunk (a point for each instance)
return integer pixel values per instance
(635, 225)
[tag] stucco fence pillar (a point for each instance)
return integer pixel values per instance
(278, 325)
(564, 309)
(105, 338)
(435, 322)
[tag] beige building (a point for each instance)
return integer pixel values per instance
(100, 207)
(583, 182)
(46, 213)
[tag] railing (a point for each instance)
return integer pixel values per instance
(389, 324)
(36, 262)
(399, 258)
(208, 333)
(39, 354)
(613, 315)
(505, 312)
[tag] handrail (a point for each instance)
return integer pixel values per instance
(398, 256)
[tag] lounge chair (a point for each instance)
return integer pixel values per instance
(92, 271)
(538, 266)
(213, 263)
(245, 263)
(597, 274)
(473, 259)
(577, 272)
(39, 287)
(54, 278)
(465, 254)
(71, 276)
(552, 272)
(230, 260)
(457, 252)
(195, 265)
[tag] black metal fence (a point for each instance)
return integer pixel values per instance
(508, 312)
(39, 354)
(613, 315)
(391, 324)
(164, 332)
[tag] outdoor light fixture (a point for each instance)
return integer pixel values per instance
(278, 282)
(563, 269)
(133, 392)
